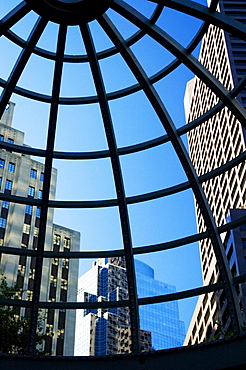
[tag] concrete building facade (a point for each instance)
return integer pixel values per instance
(235, 249)
(22, 176)
(215, 142)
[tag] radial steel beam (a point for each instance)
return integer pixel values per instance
(144, 83)
(46, 184)
(21, 63)
(120, 191)
(13, 17)
(69, 57)
(180, 52)
(206, 14)
(131, 89)
(183, 156)
(109, 52)
(110, 96)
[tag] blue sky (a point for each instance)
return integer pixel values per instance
(80, 128)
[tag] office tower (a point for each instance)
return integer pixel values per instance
(162, 319)
(215, 142)
(235, 249)
(107, 331)
(22, 176)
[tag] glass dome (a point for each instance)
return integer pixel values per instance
(98, 88)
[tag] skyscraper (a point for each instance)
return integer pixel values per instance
(162, 319)
(101, 332)
(215, 142)
(22, 176)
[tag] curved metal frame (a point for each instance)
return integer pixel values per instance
(145, 84)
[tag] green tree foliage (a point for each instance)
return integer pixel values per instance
(14, 329)
(220, 333)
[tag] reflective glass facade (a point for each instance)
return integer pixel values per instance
(109, 330)
(161, 319)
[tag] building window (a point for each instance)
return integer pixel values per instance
(5, 204)
(1, 138)
(31, 273)
(38, 212)
(28, 210)
(194, 331)
(35, 233)
(53, 280)
(31, 191)
(29, 295)
(21, 270)
(199, 316)
(8, 185)
(65, 263)
(207, 316)
(64, 284)
(33, 173)
(10, 141)
(26, 229)
(60, 333)
(40, 194)
(2, 163)
(66, 243)
(3, 222)
(205, 299)
(201, 331)
(55, 261)
(41, 176)
(49, 330)
(56, 239)
(11, 167)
